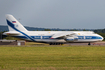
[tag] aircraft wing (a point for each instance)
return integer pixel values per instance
(59, 35)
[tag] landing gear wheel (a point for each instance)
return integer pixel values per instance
(50, 43)
(56, 43)
(89, 44)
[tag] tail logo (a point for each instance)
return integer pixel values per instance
(13, 21)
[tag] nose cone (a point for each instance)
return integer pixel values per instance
(102, 38)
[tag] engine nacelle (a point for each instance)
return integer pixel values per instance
(71, 39)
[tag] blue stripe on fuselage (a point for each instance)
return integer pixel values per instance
(34, 37)
(92, 37)
(48, 37)
(89, 37)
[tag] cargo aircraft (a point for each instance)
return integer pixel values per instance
(16, 29)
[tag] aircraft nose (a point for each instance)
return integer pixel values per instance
(102, 38)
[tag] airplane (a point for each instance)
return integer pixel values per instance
(16, 29)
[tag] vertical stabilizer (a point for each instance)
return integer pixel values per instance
(13, 24)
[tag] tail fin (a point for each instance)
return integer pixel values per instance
(13, 24)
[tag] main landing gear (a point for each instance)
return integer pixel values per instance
(89, 44)
(56, 43)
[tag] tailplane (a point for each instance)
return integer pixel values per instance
(13, 24)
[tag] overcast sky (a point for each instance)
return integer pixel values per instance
(65, 14)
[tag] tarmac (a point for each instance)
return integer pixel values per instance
(95, 43)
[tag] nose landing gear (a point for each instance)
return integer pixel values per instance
(89, 44)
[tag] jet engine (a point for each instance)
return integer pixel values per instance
(71, 38)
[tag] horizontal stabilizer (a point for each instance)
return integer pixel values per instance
(11, 33)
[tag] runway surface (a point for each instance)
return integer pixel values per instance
(95, 43)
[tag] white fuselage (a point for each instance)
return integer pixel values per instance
(45, 36)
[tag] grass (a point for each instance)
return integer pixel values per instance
(45, 57)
